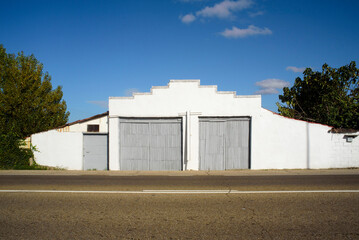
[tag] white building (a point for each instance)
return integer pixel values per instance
(80, 145)
(186, 126)
(97, 123)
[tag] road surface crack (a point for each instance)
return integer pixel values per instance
(229, 190)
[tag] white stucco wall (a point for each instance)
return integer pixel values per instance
(275, 139)
(283, 143)
(59, 149)
(344, 154)
(276, 142)
(182, 96)
(113, 138)
(82, 127)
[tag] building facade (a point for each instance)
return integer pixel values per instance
(187, 126)
(80, 145)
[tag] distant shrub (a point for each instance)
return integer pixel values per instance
(12, 155)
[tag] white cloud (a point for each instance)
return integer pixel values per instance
(295, 69)
(188, 18)
(272, 83)
(103, 104)
(224, 9)
(245, 32)
(271, 86)
(255, 14)
(267, 91)
(189, 1)
(129, 92)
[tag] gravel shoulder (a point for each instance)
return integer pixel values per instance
(101, 216)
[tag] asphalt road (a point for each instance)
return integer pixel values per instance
(301, 215)
(197, 182)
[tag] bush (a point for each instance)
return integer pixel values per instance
(12, 155)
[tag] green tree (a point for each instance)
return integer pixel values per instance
(13, 154)
(28, 104)
(329, 97)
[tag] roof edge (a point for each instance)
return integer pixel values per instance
(297, 119)
(215, 87)
(85, 119)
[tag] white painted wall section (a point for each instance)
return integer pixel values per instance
(278, 142)
(182, 96)
(344, 154)
(114, 137)
(59, 149)
(283, 143)
(82, 127)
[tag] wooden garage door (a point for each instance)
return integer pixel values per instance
(224, 143)
(150, 144)
(95, 152)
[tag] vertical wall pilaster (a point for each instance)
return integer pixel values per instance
(114, 143)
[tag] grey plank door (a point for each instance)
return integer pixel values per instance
(134, 146)
(224, 143)
(211, 141)
(150, 144)
(95, 151)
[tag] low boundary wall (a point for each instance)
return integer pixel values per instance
(59, 149)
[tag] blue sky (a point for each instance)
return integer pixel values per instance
(97, 49)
